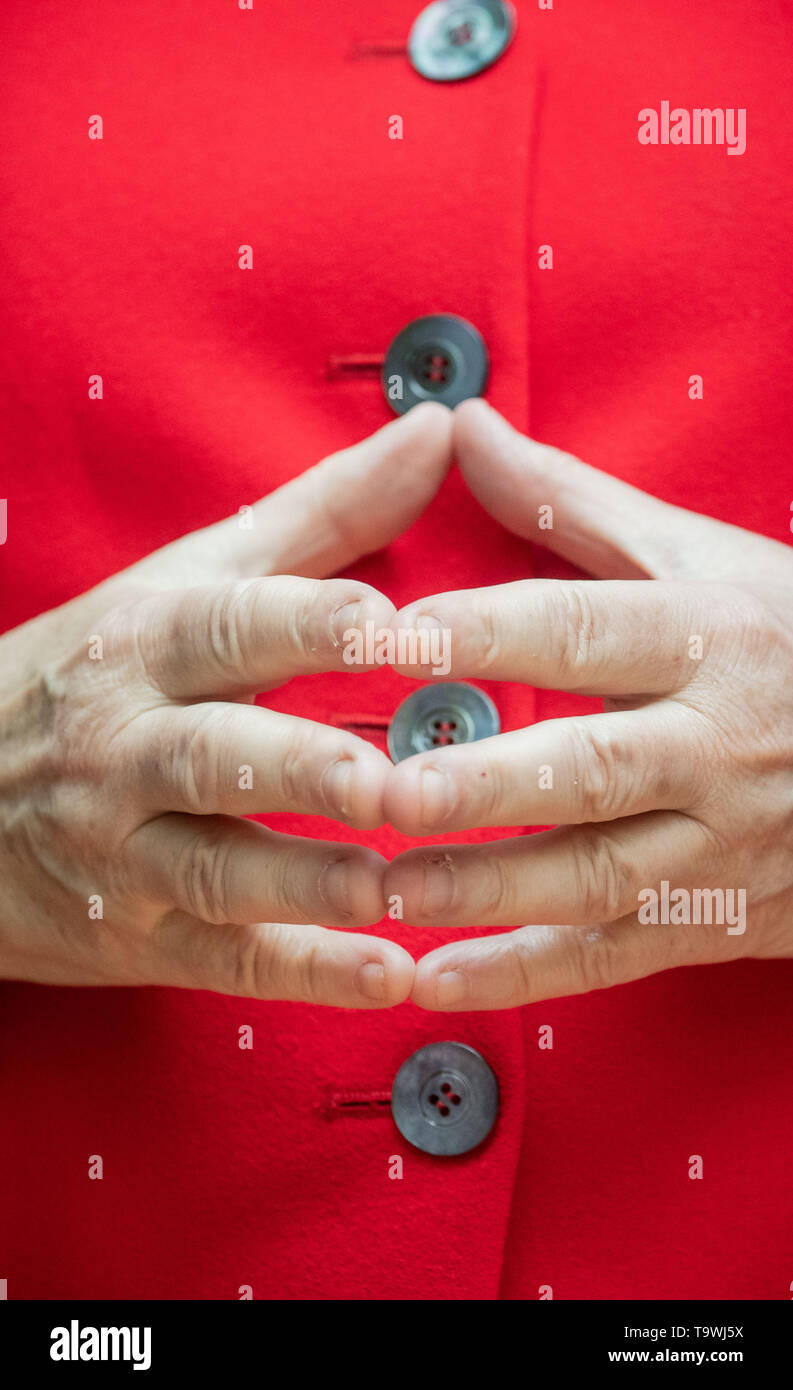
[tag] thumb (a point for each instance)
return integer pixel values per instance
(600, 524)
(550, 962)
(350, 504)
(354, 502)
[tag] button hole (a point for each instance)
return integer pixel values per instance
(351, 1104)
(354, 364)
(361, 1104)
(379, 48)
(360, 723)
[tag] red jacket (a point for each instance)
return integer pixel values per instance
(270, 127)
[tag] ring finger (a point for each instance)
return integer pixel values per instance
(576, 875)
(220, 869)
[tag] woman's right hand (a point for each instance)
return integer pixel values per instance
(127, 726)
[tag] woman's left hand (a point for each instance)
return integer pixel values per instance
(685, 779)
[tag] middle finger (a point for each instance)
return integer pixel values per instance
(245, 760)
(596, 767)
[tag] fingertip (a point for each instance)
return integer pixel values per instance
(355, 786)
(473, 408)
(385, 977)
(432, 415)
(467, 977)
(473, 416)
(359, 876)
(425, 882)
(427, 430)
(439, 986)
(420, 796)
(423, 610)
(399, 804)
(428, 426)
(428, 635)
(356, 609)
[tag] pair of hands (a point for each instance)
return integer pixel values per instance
(126, 715)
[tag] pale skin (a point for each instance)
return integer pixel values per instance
(115, 773)
(687, 776)
(119, 776)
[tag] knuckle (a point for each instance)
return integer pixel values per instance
(575, 630)
(123, 622)
(521, 958)
(595, 961)
(600, 766)
(150, 634)
(602, 880)
(745, 635)
(228, 621)
(497, 889)
(189, 773)
(253, 963)
(308, 973)
(137, 625)
(285, 882)
(306, 618)
(759, 634)
(204, 869)
(293, 767)
(489, 636)
(272, 966)
(196, 770)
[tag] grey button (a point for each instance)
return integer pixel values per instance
(445, 1098)
(436, 358)
(437, 715)
(454, 39)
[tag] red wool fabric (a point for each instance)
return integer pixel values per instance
(269, 127)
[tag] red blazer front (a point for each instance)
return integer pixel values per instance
(269, 127)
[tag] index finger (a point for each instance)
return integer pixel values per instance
(251, 634)
(594, 637)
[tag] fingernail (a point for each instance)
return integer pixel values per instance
(439, 885)
(452, 988)
(334, 885)
(370, 979)
(344, 618)
(436, 795)
(335, 785)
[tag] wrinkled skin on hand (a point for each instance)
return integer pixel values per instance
(687, 775)
(127, 726)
